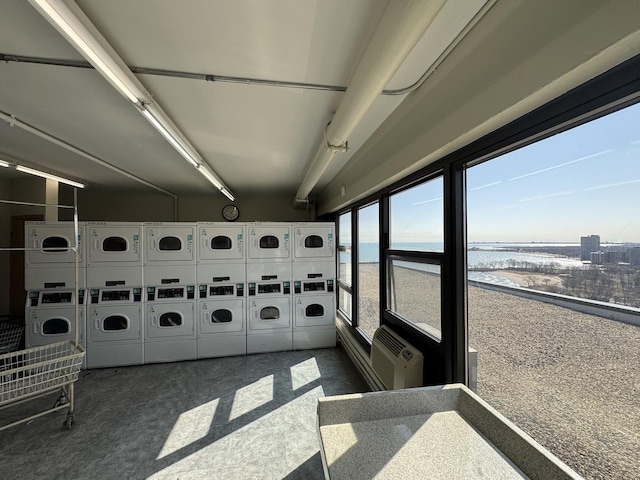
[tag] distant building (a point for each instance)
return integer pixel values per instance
(634, 256)
(615, 256)
(597, 258)
(589, 244)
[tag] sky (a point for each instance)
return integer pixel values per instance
(580, 182)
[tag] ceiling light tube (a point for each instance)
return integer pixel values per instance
(68, 23)
(209, 176)
(170, 138)
(50, 176)
(228, 194)
(4, 164)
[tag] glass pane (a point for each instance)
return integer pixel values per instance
(114, 244)
(55, 244)
(415, 295)
(269, 313)
(170, 319)
(55, 326)
(221, 242)
(559, 218)
(115, 322)
(314, 310)
(313, 241)
(417, 217)
(269, 241)
(170, 244)
(221, 316)
(368, 270)
(344, 248)
(344, 302)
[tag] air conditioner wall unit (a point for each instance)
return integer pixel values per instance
(395, 361)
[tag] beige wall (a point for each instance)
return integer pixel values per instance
(156, 207)
(503, 69)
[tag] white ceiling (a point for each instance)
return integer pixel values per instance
(256, 138)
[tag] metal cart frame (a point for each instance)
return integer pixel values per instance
(35, 372)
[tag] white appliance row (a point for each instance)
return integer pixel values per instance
(161, 292)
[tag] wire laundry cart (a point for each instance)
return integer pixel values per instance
(35, 372)
(10, 334)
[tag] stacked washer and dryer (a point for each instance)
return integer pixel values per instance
(115, 285)
(170, 281)
(314, 272)
(169, 291)
(221, 276)
(50, 282)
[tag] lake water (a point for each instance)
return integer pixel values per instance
(483, 255)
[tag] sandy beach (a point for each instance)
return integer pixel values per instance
(568, 379)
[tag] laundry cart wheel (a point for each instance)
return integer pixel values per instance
(62, 400)
(70, 421)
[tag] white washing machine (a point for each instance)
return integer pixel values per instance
(50, 317)
(220, 242)
(49, 258)
(170, 332)
(314, 315)
(169, 243)
(313, 241)
(268, 242)
(269, 321)
(110, 246)
(114, 327)
(221, 324)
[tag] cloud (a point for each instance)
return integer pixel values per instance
(485, 186)
(439, 199)
(609, 185)
(550, 195)
(604, 152)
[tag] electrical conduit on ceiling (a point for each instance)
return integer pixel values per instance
(402, 25)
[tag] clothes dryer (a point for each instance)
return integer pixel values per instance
(170, 333)
(269, 321)
(220, 242)
(50, 257)
(314, 305)
(114, 254)
(313, 241)
(115, 327)
(50, 317)
(51, 244)
(221, 324)
(169, 243)
(268, 242)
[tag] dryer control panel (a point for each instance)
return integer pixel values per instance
(276, 288)
(171, 293)
(38, 298)
(226, 290)
(127, 295)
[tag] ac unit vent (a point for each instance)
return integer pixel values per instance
(397, 363)
(392, 343)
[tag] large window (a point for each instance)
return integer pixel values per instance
(416, 231)
(345, 288)
(560, 216)
(369, 269)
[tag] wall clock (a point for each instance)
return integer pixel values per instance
(230, 212)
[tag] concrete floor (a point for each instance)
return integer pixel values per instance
(247, 417)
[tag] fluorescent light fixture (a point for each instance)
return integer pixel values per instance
(4, 164)
(168, 136)
(61, 16)
(209, 176)
(38, 173)
(228, 194)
